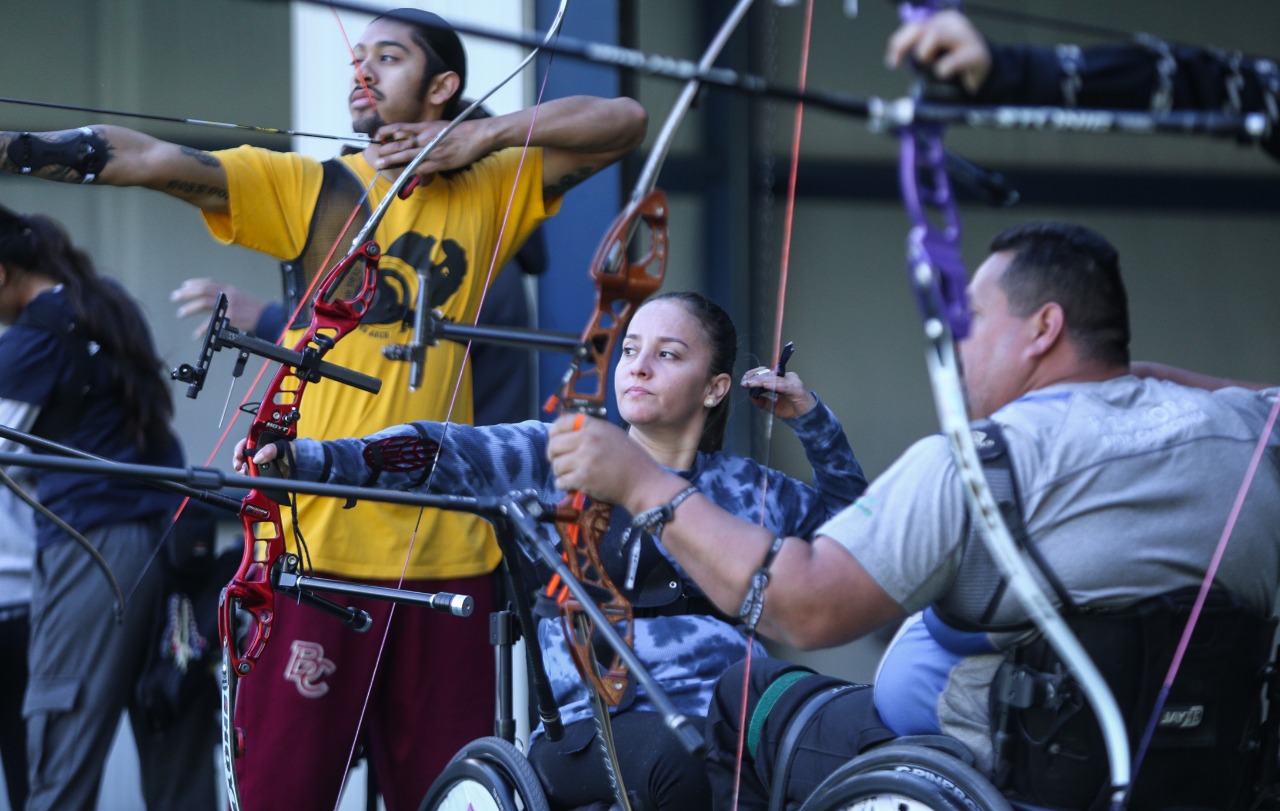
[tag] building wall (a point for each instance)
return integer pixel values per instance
(1202, 273)
(1199, 275)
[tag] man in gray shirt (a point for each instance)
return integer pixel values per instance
(1126, 484)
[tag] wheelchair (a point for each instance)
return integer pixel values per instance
(492, 773)
(1214, 744)
(488, 774)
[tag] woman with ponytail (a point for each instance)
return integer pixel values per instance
(78, 366)
(672, 383)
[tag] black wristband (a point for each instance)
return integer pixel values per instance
(654, 519)
(753, 603)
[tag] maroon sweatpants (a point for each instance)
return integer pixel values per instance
(301, 708)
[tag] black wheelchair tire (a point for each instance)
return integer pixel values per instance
(490, 767)
(887, 790)
(928, 775)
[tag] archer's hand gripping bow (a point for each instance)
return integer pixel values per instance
(621, 285)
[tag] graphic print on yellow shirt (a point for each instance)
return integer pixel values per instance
(449, 227)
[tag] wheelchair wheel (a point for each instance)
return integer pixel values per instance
(488, 774)
(896, 777)
(884, 791)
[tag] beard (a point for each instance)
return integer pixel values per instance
(369, 124)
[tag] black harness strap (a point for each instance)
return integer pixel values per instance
(340, 192)
(979, 588)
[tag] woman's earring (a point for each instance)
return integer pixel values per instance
(711, 402)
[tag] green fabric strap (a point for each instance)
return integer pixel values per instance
(765, 705)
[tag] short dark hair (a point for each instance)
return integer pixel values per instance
(1077, 268)
(443, 48)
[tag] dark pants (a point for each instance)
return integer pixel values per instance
(656, 770)
(83, 671)
(15, 627)
(845, 726)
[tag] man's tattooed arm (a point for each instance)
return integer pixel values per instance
(189, 191)
(192, 191)
(118, 156)
(566, 182)
(200, 156)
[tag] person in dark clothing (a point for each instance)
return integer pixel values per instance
(78, 366)
(1147, 73)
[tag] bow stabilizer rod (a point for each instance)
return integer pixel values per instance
(881, 114)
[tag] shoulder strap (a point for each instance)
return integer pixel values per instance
(340, 192)
(979, 587)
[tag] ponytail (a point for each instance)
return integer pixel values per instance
(107, 316)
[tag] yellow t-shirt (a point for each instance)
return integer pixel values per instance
(451, 225)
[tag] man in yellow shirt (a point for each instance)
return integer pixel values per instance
(425, 689)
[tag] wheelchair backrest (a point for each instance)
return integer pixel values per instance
(1205, 751)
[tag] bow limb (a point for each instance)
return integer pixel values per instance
(648, 177)
(646, 203)
(937, 276)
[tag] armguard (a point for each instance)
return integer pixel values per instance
(81, 150)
